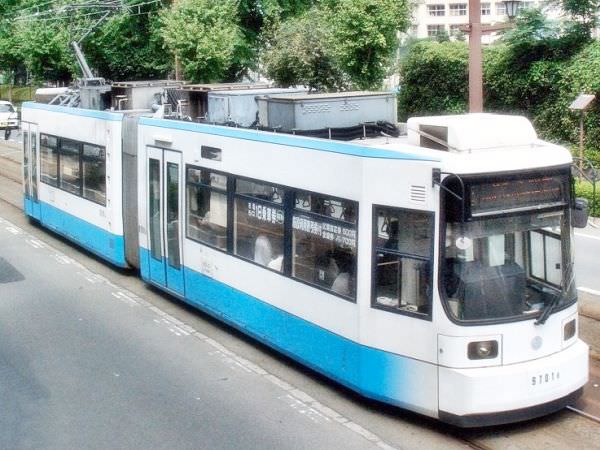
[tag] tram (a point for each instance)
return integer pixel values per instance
(432, 271)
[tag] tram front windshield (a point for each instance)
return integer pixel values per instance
(509, 267)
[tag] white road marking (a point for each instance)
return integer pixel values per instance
(589, 291)
(589, 236)
(305, 404)
(62, 259)
(37, 243)
(13, 230)
(33, 243)
(304, 409)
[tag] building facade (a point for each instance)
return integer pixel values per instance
(434, 17)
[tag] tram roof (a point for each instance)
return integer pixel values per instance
(349, 148)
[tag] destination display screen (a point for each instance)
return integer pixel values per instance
(527, 192)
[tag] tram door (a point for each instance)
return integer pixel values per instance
(165, 218)
(30, 169)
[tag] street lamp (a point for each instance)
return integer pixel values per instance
(512, 8)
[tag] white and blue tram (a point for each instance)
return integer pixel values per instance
(432, 272)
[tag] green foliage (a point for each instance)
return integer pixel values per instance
(17, 94)
(10, 53)
(582, 75)
(364, 37)
(300, 54)
(583, 13)
(206, 37)
(45, 50)
(136, 54)
(434, 79)
(337, 44)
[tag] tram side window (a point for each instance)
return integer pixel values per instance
(70, 173)
(207, 207)
(49, 159)
(324, 243)
(258, 223)
(94, 173)
(402, 245)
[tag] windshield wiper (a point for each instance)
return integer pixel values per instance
(550, 306)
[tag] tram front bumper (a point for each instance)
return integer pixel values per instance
(504, 394)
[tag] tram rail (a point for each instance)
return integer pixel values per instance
(584, 414)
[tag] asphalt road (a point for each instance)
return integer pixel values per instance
(86, 364)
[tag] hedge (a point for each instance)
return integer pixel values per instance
(20, 94)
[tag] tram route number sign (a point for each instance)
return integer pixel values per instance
(531, 191)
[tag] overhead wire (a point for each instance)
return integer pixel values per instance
(57, 9)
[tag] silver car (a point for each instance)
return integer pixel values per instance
(9, 120)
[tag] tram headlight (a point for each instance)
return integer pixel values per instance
(569, 330)
(483, 350)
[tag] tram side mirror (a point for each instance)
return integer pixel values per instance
(580, 213)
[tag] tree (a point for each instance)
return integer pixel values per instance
(434, 79)
(583, 14)
(299, 53)
(137, 53)
(365, 37)
(45, 51)
(207, 38)
(337, 44)
(11, 59)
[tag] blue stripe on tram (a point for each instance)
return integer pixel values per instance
(108, 246)
(374, 373)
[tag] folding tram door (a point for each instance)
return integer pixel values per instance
(165, 220)
(30, 169)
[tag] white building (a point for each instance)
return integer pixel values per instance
(434, 17)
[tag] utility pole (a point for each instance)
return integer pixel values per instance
(475, 58)
(475, 30)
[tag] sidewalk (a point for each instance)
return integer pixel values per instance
(589, 305)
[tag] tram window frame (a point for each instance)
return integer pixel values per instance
(44, 175)
(84, 174)
(225, 192)
(81, 158)
(287, 205)
(234, 196)
(428, 260)
(323, 218)
(70, 154)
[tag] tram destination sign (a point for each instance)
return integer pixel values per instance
(523, 193)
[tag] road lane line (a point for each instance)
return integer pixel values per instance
(589, 291)
(588, 236)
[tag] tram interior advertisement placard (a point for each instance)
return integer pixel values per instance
(526, 192)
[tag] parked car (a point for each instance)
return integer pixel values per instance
(9, 119)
